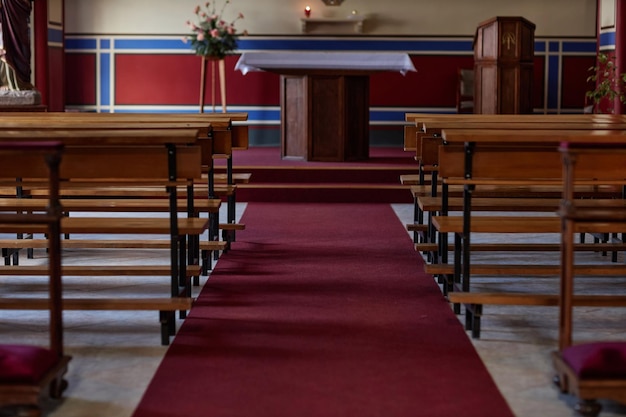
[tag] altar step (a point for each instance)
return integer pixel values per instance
(273, 184)
(274, 179)
(327, 193)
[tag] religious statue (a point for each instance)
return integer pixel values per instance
(15, 45)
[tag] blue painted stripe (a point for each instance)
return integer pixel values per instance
(553, 79)
(580, 46)
(105, 79)
(264, 115)
(336, 44)
(55, 35)
(553, 46)
(607, 39)
(105, 43)
(387, 116)
(80, 43)
(292, 44)
(150, 44)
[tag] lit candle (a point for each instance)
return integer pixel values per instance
(307, 11)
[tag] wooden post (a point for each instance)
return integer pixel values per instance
(222, 76)
(222, 69)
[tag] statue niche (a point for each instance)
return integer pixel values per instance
(15, 66)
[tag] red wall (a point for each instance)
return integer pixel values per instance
(174, 79)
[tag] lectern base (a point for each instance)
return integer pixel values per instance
(325, 117)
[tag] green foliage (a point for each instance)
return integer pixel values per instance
(609, 83)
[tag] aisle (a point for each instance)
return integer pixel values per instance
(321, 310)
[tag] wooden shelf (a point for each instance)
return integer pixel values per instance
(310, 23)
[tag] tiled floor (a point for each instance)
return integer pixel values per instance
(116, 353)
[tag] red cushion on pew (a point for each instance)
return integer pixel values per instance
(597, 360)
(24, 364)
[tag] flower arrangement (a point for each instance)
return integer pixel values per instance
(212, 36)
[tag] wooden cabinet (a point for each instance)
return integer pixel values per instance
(503, 62)
(325, 116)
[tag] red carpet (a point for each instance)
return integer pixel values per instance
(321, 310)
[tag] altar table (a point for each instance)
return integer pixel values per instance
(324, 99)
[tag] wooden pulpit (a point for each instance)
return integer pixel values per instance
(504, 50)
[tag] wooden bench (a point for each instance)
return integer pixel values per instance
(169, 157)
(81, 203)
(431, 125)
(121, 193)
(413, 141)
(504, 158)
(503, 203)
(427, 120)
(30, 373)
(428, 142)
(578, 372)
(227, 132)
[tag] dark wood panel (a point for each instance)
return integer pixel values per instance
(294, 119)
(325, 117)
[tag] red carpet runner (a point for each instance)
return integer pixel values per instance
(321, 310)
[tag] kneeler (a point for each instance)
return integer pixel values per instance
(592, 370)
(30, 373)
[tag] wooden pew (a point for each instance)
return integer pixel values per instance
(169, 158)
(578, 371)
(117, 196)
(506, 158)
(422, 120)
(429, 142)
(30, 373)
(228, 133)
(431, 124)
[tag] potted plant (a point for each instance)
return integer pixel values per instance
(610, 85)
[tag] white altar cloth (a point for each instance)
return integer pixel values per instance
(360, 61)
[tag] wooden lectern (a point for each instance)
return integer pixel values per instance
(503, 63)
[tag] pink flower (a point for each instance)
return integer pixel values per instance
(212, 35)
